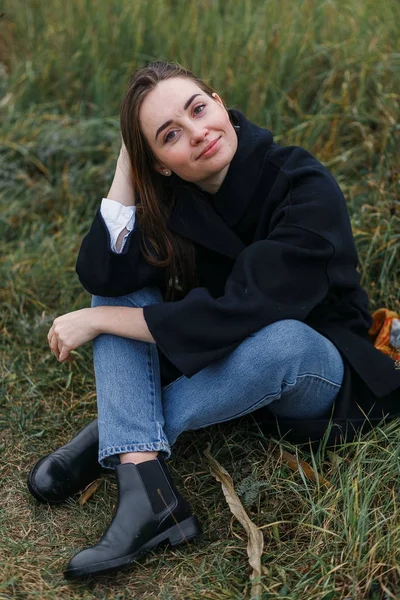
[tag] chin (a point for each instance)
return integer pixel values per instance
(222, 164)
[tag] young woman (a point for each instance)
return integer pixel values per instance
(224, 279)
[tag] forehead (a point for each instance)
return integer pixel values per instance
(166, 102)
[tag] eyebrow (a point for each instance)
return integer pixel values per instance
(186, 106)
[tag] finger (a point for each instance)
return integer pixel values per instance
(54, 346)
(55, 351)
(64, 354)
(60, 348)
(50, 334)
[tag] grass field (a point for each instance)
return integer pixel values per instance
(321, 74)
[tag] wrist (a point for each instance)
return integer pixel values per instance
(98, 320)
(124, 167)
(121, 189)
(124, 321)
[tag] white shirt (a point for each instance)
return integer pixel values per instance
(117, 217)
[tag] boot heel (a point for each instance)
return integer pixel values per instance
(185, 531)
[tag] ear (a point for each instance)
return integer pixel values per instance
(218, 99)
(162, 170)
(159, 167)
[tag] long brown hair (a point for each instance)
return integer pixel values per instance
(156, 193)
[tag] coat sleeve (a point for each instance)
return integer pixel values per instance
(106, 273)
(282, 277)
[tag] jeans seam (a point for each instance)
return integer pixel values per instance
(151, 378)
(166, 387)
(319, 378)
(160, 429)
(254, 406)
(322, 379)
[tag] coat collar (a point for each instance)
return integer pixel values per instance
(244, 172)
(207, 218)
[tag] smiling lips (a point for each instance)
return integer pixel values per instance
(210, 149)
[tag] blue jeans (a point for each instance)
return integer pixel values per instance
(287, 365)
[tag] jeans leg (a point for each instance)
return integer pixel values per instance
(128, 387)
(286, 365)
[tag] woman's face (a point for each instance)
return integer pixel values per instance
(189, 132)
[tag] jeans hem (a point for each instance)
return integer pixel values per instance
(109, 459)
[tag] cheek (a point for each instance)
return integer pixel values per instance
(177, 158)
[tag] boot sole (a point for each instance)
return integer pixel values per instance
(182, 532)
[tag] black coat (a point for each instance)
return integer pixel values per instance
(274, 243)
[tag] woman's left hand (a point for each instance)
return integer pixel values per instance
(70, 331)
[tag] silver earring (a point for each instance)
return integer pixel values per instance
(167, 173)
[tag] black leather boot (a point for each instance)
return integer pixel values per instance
(60, 475)
(150, 511)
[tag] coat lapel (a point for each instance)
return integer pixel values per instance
(195, 218)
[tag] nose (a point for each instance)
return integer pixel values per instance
(198, 134)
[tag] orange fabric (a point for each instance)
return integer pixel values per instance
(380, 332)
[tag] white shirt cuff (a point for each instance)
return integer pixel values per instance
(117, 217)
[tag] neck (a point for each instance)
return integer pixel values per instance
(213, 184)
